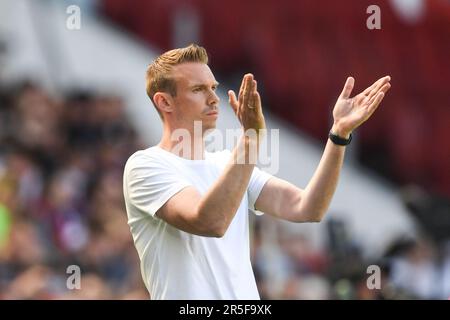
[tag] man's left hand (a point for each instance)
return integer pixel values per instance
(350, 113)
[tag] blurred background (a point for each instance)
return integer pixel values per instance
(73, 108)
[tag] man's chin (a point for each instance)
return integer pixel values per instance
(209, 125)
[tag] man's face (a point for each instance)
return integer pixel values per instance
(196, 99)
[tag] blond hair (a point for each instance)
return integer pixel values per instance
(158, 73)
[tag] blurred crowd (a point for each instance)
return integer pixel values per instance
(293, 268)
(61, 204)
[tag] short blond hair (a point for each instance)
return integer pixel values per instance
(158, 72)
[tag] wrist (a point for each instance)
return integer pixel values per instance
(340, 136)
(339, 131)
(246, 151)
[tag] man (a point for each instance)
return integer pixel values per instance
(188, 209)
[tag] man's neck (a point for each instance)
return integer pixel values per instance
(183, 142)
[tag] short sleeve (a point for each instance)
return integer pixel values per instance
(256, 184)
(149, 183)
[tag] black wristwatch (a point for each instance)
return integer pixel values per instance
(339, 140)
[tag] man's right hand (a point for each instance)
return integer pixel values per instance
(248, 106)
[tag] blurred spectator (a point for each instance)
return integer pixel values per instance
(61, 162)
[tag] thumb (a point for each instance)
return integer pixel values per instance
(348, 87)
(233, 100)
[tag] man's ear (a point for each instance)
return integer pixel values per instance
(163, 102)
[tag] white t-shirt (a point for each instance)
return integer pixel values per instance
(176, 264)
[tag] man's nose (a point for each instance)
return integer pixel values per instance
(214, 99)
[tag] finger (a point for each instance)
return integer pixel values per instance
(377, 88)
(371, 97)
(373, 94)
(251, 101)
(367, 90)
(250, 86)
(375, 103)
(255, 96)
(244, 81)
(348, 87)
(242, 88)
(233, 100)
(247, 91)
(373, 89)
(257, 99)
(242, 98)
(385, 88)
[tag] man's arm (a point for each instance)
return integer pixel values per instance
(212, 213)
(286, 201)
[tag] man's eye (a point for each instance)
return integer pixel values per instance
(197, 89)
